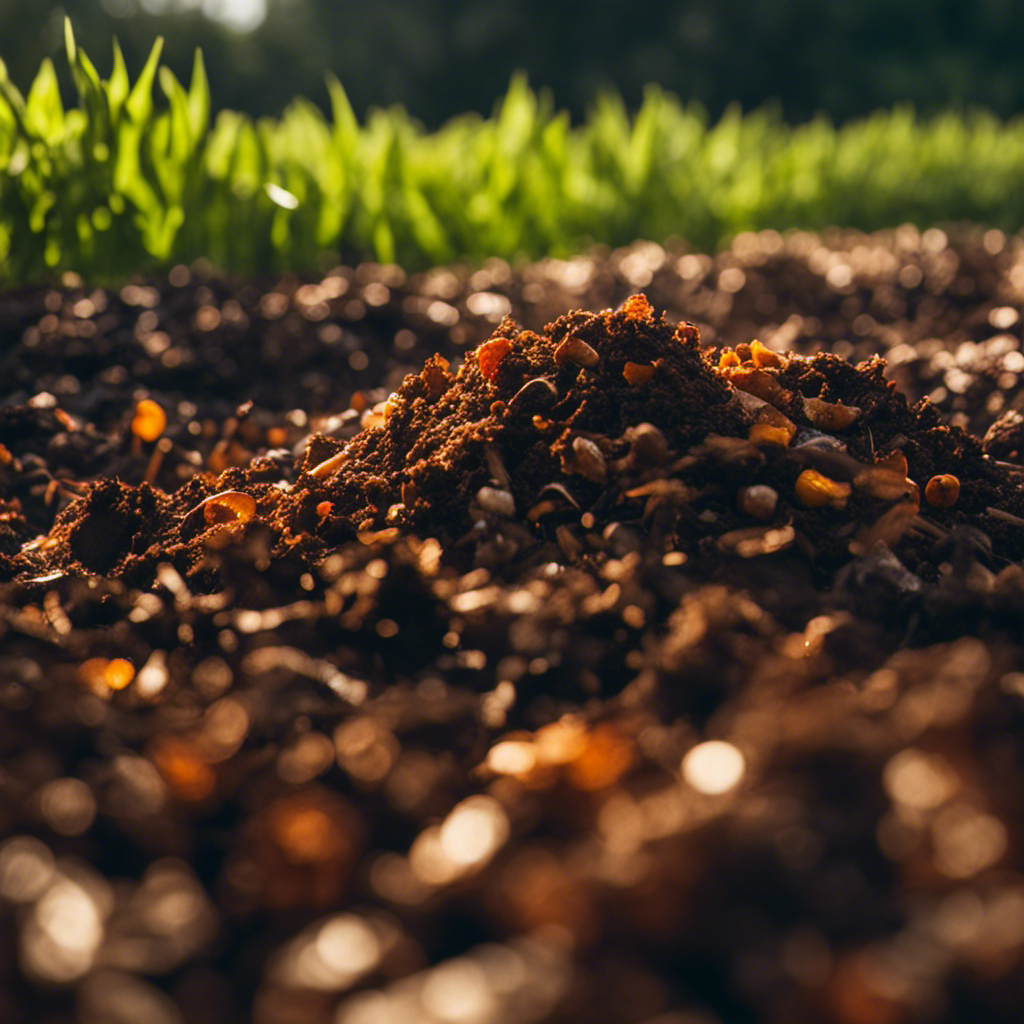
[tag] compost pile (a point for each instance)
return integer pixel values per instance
(367, 656)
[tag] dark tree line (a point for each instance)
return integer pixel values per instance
(443, 57)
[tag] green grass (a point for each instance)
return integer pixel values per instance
(140, 176)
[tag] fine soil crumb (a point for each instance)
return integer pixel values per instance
(588, 675)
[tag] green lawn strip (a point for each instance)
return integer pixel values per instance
(140, 176)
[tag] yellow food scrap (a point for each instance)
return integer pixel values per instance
(942, 491)
(762, 355)
(149, 421)
(815, 490)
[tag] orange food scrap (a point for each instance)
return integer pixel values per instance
(637, 373)
(636, 307)
(765, 433)
(815, 490)
(759, 383)
(490, 354)
(588, 758)
(90, 673)
(101, 675)
(762, 355)
(119, 672)
(607, 756)
(303, 832)
(942, 491)
(561, 742)
(728, 358)
(772, 427)
(187, 775)
(149, 421)
(65, 420)
(373, 418)
(305, 845)
(228, 507)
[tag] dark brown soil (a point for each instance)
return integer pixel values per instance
(383, 685)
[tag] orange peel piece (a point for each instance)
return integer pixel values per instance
(490, 354)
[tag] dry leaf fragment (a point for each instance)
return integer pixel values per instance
(663, 488)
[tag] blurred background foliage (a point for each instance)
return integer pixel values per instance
(440, 58)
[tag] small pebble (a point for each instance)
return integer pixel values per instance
(501, 503)
(758, 501)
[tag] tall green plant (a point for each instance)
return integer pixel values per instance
(140, 175)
